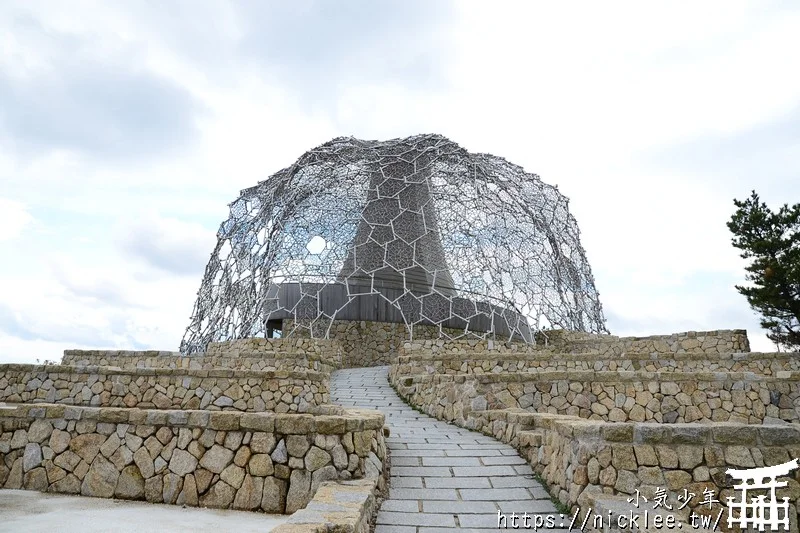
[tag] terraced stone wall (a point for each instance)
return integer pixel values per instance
(368, 343)
(707, 342)
(248, 461)
(559, 341)
(599, 417)
(164, 388)
(328, 351)
(579, 458)
(266, 361)
(766, 364)
(612, 396)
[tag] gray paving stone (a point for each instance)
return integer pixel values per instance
(481, 471)
(539, 493)
(444, 530)
(415, 519)
(451, 461)
(383, 528)
(459, 507)
(527, 506)
(483, 520)
(427, 446)
(472, 453)
(506, 482)
(418, 471)
(409, 482)
(422, 494)
(482, 439)
(504, 460)
(457, 482)
(402, 506)
(495, 494)
(405, 461)
(421, 453)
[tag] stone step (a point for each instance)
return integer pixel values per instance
(532, 438)
(444, 478)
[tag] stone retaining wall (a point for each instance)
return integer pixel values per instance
(248, 461)
(715, 341)
(579, 459)
(267, 361)
(363, 343)
(366, 343)
(346, 506)
(720, 341)
(328, 351)
(164, 388)
(490, 363)
(613, 396)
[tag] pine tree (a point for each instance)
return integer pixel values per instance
(772, 241)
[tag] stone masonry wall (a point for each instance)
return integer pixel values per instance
(268, 361)
(248, 461)
(490, 363)
(720, 341)
(324, 350)
(728, 340)
(365, 343)
(280, 392)
(579, 459)
(708, 342)
(612, 396)
(602, 418)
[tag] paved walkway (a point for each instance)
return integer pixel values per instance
(38, 512)
(444, 478)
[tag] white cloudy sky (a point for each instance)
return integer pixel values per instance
(127, 128)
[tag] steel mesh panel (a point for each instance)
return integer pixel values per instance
(414, 230)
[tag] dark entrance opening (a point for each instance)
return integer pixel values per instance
(274, 329)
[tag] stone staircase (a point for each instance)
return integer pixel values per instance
(445, 478)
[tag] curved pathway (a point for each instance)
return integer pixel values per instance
(444, 478)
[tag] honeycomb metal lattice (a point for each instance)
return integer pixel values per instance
(414, 230)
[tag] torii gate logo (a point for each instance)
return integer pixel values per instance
(759, 511)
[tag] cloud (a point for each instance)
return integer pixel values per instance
(320, 48)
(16, 350)
(126, 130)
(14, 217)
(106, 302)
(66, 97)
(699, 301)
(170, 245)
(100, 290)
(12, 324)
(29, 328)
(741, 159)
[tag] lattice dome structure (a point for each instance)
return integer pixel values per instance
(415, 231)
